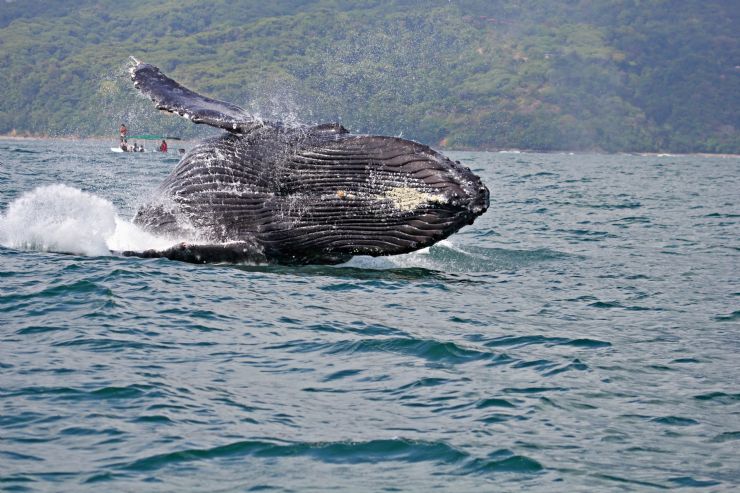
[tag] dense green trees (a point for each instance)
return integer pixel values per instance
(612, 75)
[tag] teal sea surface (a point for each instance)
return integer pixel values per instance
(582, 335)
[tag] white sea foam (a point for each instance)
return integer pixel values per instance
(424, 258)
(59, 218)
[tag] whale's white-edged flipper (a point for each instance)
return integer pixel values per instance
(230, 252)
(169, 95)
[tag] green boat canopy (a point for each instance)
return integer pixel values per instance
(152, 137)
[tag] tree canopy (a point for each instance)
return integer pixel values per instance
(610, 75)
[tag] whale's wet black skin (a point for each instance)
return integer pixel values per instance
(264, 192)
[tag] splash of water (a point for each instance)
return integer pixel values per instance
(63, 219)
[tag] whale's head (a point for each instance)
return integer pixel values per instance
(373, 195)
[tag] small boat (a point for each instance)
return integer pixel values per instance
(147, 137)
(118, 149)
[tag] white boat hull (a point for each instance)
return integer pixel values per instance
(118, 149)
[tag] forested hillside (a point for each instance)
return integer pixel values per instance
(609, 75)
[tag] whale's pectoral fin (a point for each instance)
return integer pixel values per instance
(233, 252)
(170, 96)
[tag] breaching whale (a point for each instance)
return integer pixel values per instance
(272, 193)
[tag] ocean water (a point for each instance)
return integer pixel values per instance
(582, 335)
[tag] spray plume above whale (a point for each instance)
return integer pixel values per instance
(267, 192)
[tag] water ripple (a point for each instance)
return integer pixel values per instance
(580, 336)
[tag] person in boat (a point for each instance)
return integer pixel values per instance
(163, 146)
(141, 148)
(124, 147)
(123, 131)
(136, 147)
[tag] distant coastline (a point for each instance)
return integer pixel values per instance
(114, 139)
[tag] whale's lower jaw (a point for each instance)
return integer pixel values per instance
(233, 253)
(237, 252)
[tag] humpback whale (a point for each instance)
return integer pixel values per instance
(271, 193)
